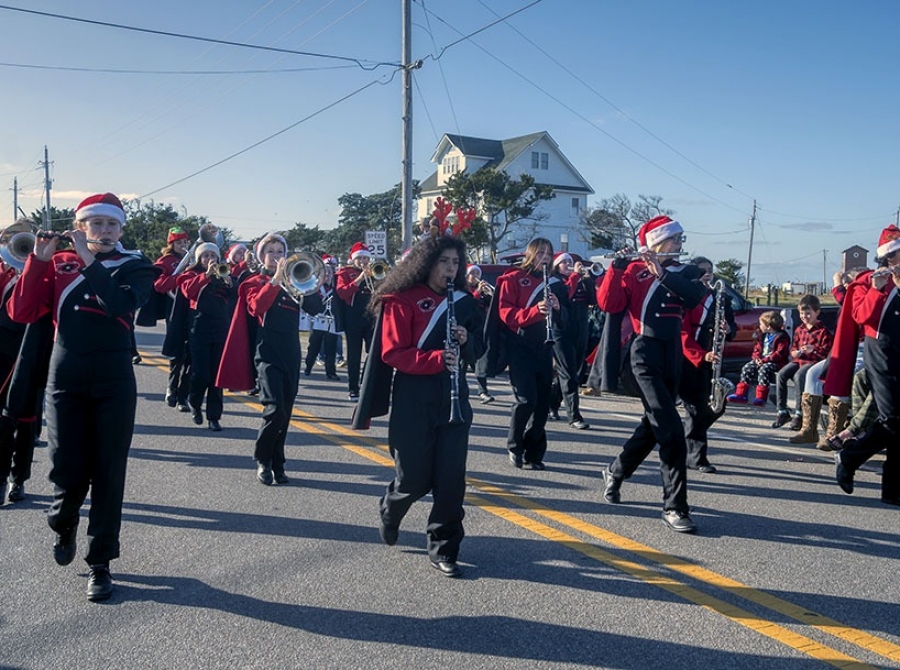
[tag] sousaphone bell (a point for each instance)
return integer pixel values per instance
(305, 273)
(16, 244)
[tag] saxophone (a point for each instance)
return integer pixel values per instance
(721, 387)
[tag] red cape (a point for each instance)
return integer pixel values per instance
(236, 368)
(839, 378)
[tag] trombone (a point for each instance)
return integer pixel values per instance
(16, 244)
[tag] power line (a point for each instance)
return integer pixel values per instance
(270, 137)
(358, 61)
(174, 72)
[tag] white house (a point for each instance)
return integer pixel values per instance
(537, 155)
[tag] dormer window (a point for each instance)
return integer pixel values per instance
(450, 165)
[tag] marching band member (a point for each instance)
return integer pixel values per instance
(697, 332)
(872, 304)
(568, 351)
(524, 305)
(322, 336)
(482, 292)
(93, 292)
(275, 352)
(655, 291)
(429, 449)
(353, 286)
(210, 297)
(177, 323)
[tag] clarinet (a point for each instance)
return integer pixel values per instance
(453, 345)
(549, 320)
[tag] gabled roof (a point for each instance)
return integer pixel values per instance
(498, 154)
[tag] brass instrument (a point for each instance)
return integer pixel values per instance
(375, 272)
(304, 273)
(593, 270)
(222, 270)
(451, 343)
(549, 341)
(721, 387)
(252, 261)
(208, 233)
(16, 244)
(485, 288)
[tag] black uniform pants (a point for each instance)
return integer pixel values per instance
(205, 358)
(16, 449)
(883, 369)
(355, 336)
(277, 390)
(656, 365)
(180, 378)
(565, 386)
(90, 422)
(429, 455)
(322, 340)
(531, 378)
(695, 388)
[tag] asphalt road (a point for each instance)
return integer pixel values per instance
(218, 571)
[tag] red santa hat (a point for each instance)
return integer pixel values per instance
(359, 250)
(562, 257)
(102, 204)
(234, 249)
(267, 239)
(328, 259)
(474, 268)
(656, 230)
(175, 234)
(889, 242)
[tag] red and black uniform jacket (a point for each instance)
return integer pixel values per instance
(518, 295)
(353, 299)
(409, 337)
(211, 300)
(93, 306)
(698, 328)
(655, 306)
(277, 342)
(818, 336)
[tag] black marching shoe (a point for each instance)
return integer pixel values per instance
(842, 474)
(16, 492)
(516, 460)
(447, 568)
(183, 407)
(353, 396)
(100, 586)
(612, 486)
(533, 465)
(680, 522)
(389, 534)
(707, 468)
(264, 473)
(580, 424)
(64, 548)
(197, 416)
(554, 414)
(214, 426)
(171, 400)
(307, 372)
(333, 378)
(280, 477)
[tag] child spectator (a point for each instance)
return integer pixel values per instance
(770, 354)
(811, 344)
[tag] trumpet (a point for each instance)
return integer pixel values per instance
(376, 272)
(16, 244)
(252, 262)
(593, 270)
(220, 270)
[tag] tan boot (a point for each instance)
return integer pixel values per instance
(811, 406)
(838, 417)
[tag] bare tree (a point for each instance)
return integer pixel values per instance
(614, 222)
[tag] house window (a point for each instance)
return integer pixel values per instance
(450, 165)
(539, 160)
(576, 206)
(545, 161)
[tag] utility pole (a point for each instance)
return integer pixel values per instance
(406, 182)
(750, 252)
(15, 198)
(47, 185)
(824, 271)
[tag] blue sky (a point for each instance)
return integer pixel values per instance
(707, 104)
